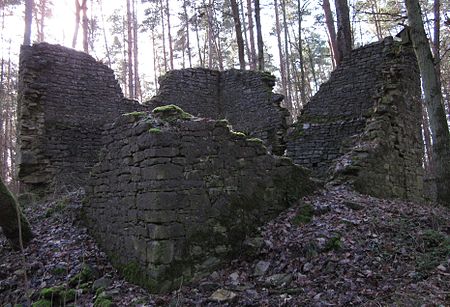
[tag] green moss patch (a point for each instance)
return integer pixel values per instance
(154, 130)
(135, 114)
(304, 215)
(133, 273)
(85, 275)
(238, 134)
(59, 295)
(255, 140)
(171, 113)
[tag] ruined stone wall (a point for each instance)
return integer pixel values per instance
(363, 125)
(65, 97)
(175, 197)
(244, 98)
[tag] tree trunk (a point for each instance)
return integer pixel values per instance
(77, 23)
(251, 35)
(154, 58)
(188, 45)
(300, 53)
(244, 30)
(137, 83)
(28, 21)
(197, 35)
(40, 9)
(280, 51)
(163, 36)
(130, 51)
(259, 36)
(210, 36)
(344, 33)
(169, 33)
(217, 44)
(329, 21)
(427, 140)
(105, 38)
(312, 66)
(433, 101)
(437, 39)
(85, 25)
(239, 39)
(17, 232)
(376, 21)
(288, 98)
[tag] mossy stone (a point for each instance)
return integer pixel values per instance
(171, 113)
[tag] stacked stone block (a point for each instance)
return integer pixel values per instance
(244, 98)
(175, 197)
(364, 126)
(64, 99)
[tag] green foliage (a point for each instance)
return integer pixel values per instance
(304, 215)
(59, 271)
(86, 274)
(434, 248)
(333, 243)
(42, 303)
(58, 208)
(103, 300)
(58, 294)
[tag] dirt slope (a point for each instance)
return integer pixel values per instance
(335, 248)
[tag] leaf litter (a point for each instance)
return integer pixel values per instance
(334, 248)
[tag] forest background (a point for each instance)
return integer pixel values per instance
(141, 40)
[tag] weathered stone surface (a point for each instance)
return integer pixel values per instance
(190, 215)
(64, 99)
(363, 126)
(173, 195)
(244, 98)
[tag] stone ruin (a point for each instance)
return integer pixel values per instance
(173, 192)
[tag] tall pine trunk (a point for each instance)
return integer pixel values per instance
(251, 35)
(244, 30)
(237, 28)
(433, 101)
(85, 26)
(288, 98)
(163, 27)
(259, 36)
(329, 21)
(137, 83)
(188, 44)
(130, 51)
(280, 51)
(28, 21)
(169, 34)
(77, 23)
(344, 33)
(300, 53)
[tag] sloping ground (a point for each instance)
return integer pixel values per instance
(336, 248)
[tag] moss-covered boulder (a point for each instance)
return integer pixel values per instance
(14, 224)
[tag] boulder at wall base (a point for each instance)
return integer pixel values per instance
(172, 206)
